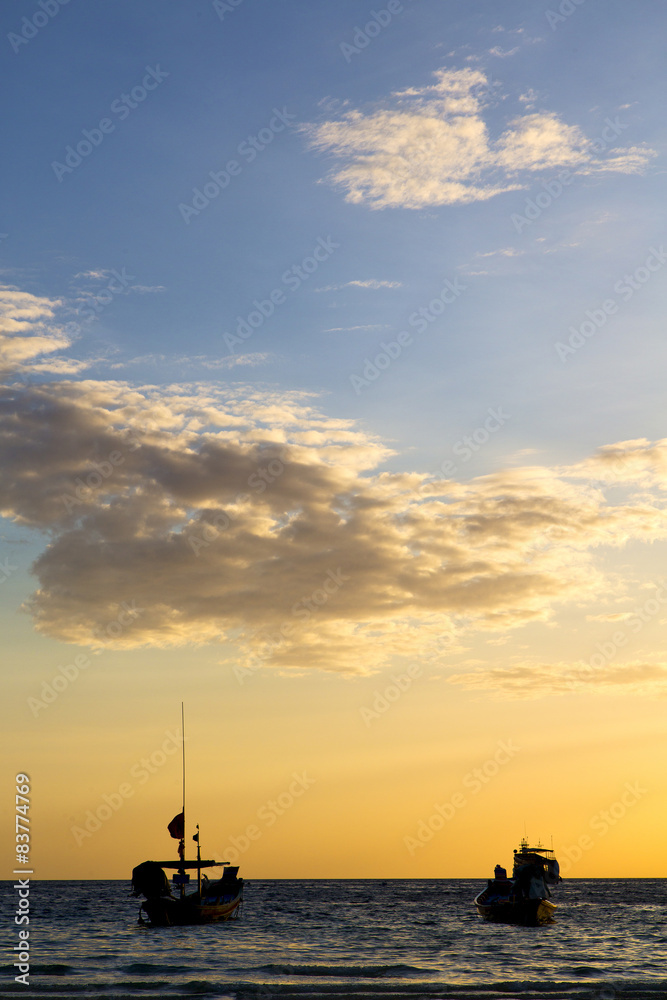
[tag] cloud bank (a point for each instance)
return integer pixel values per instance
(251, 518)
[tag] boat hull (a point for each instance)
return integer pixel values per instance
(527, 912)
(166, 911)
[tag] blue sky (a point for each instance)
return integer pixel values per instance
(407, 160)
(470, 192)
(119, 208)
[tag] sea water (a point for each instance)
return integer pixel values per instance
(368, 938)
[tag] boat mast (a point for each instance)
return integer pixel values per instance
(182, 846)
(198, 864)
(183, 745)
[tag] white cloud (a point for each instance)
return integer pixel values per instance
(503, 252)
(432, 146)
(368, 283)
(197, 361)
(93, 275)
(59, 366)
(347, 329)
(501, 53)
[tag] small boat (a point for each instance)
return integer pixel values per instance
(524, 898)
(213, 900)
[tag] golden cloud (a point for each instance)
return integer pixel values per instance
(232, 515)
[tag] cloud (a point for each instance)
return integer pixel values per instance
(230, 361)
(226, 516)
(374, 283)
(28, 327)
(197, 361)
(618, 616)
(501, 53)
(347, 329)
(529, 98)
(638, 462)
(431, 146)
(59, 366)
(504, 252)
(529, 681)
(370, 283)
(245, 516)
(93, 275)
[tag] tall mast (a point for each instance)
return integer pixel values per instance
(183, 745)
(181, 847)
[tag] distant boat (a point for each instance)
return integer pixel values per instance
(524, 898)
(214, 900)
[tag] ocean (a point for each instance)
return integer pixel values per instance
(369, 939)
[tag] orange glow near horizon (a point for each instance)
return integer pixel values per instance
(275, 783)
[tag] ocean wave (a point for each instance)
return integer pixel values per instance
(328, 971)
(53, 969)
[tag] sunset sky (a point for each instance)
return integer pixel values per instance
(333, 406)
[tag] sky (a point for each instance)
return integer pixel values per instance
(332, 355)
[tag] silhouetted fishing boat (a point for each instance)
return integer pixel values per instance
(214, 900)
(524, 898)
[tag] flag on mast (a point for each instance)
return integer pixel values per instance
(177, 827)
